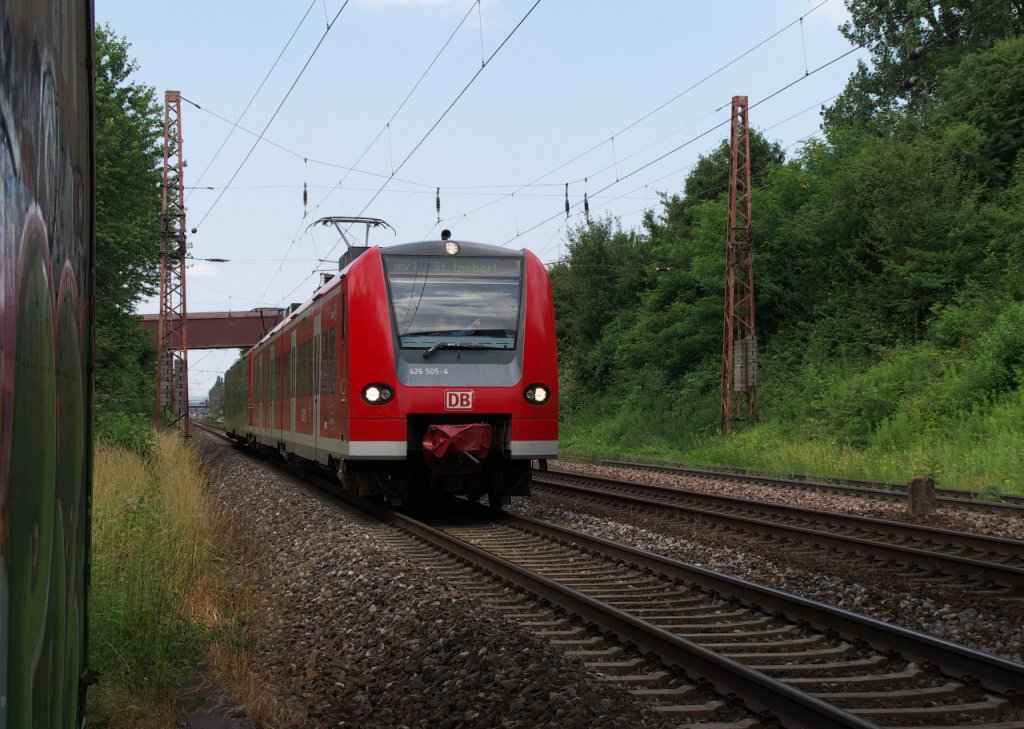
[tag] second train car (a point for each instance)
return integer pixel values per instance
(422, 368)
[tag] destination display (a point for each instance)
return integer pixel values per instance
(452, 266)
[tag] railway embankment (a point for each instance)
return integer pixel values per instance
(347, 630)
(345, 626)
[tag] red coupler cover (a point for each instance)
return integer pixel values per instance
(457, 448)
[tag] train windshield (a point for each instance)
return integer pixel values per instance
(439, 300)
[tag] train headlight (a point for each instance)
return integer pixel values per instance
(378, 393)
(537, 394)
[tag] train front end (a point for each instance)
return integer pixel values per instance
(464, 394)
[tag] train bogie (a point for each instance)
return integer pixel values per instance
(422, 368)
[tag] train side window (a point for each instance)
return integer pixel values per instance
(291, 372)
(334, 360)
(324, 362)
(273, 378)
(306, 390)
(327, 359)
(309, 368)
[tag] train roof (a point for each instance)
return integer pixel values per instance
(437, 248)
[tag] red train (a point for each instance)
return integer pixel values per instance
(421, 368)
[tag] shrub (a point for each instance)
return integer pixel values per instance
(132, 432)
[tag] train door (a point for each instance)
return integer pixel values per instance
(316, 386)
(343, 367)
(261, 416)
(273, 394)
(250, 393)
(291, 382)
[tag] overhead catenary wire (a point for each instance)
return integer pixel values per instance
(694, 139)
(517, 187)
(454, 101)
(387, 125)
(256, 93)
(385, 128)
(658, 108)
(293, 153)
(616, 159)
(445, 112)
(274, 115)
(973, 92)
(635, 171)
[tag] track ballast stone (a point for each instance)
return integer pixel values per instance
(353, 632)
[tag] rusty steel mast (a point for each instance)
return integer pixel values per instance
(172, 331)
(739, 338)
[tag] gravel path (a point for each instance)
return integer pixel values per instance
(354, 633)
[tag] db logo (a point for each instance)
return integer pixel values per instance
(458, 400)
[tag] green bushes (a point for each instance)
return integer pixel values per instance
(997, 363)
(134, 433)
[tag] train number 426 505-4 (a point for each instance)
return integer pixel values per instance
(428, 370)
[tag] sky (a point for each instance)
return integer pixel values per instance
(381, 107)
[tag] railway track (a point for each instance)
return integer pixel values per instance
(1008, 503)
(989, 567)
(707, 649)
(802, 662)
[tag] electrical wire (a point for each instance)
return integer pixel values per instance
(694, 139)
(387, 125)
(276, 111)
(655, 110)
(253, 98)
(436, 123)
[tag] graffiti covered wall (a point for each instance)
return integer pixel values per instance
(46, 274)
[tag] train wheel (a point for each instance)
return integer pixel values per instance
(494, 501)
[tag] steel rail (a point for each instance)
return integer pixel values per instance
(758, 691)
(993, 672)
(1009, 504)
(1005, 574)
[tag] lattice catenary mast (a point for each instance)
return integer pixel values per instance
(172, 332)
(739, 338)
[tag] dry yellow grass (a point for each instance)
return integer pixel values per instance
(161, 596)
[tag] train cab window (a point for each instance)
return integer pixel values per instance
(473, 301)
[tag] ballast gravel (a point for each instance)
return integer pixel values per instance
(986, 627)
(351, 632)
(966, 520)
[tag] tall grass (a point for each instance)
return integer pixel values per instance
(152, 601)
(981, 450)
(170, 588)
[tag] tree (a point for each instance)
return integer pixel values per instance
(709, 179)
(128, 158)
(981, 104)
(948, 30)
(605, 273)
(215, 398)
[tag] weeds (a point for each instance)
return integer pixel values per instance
(152, 595)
